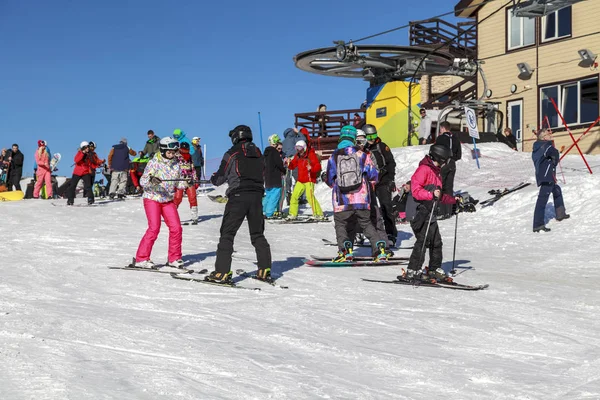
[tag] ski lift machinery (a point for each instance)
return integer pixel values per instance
(486, 110)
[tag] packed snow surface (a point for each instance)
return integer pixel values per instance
(70, 328)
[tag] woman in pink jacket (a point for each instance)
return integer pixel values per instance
(43, 173)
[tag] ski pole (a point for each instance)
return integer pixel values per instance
(427, 232)
(453, 272)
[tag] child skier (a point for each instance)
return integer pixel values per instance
(159, 190)
(308, 169)
(545, 158)
(187, 172)
(350, 172)
(274, 171)
(426, 184)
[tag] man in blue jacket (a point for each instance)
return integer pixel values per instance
(545, 158)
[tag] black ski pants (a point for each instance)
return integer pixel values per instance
(14, 179)
(433, 241)
(384, 195)
(87, 188)
(239, 207)
(448, 172)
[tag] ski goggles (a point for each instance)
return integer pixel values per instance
(372, 136)
(172, 146)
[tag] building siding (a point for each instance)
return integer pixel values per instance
(554, 61)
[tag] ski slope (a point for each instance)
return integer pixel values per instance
(70, 328)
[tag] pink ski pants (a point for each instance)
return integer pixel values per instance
(43, 176)
(154, 211)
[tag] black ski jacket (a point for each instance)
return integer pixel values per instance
(274, 168)
(242, 168)
(451, 141)
(384, 160)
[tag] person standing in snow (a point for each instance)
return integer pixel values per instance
(451, 141)
(160, 181)
(242, 168)
(290, 137)
(197, 157)
(426, 192)
(82, 171)
(309, 168)
(189, 173)
(15, 169)
(386, 165)
(118, 163)
(43, 173)
(545, 159)
(350, 173)
(274, 171)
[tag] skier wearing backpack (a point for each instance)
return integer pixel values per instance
(308, 169)
(386, 185)
(426, 192)
(349, 173)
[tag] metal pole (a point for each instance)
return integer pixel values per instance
(261, 134)
(204, 166)
(427, 232)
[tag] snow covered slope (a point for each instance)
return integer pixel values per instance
(70, 328)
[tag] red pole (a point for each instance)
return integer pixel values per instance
(581, 137)
(572, 138)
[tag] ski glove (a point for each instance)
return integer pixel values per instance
(155, 180)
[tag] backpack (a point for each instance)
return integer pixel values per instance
(349, 172)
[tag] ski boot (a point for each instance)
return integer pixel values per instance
(175, 264)
(541, 229)
(194, 212)
(318, 218)
(391, 241)
(222, 278)
(346, 254)
(360, 239)
(411, 275)
(438, 275)
(291, 217)
(264, 274)
(381, 254)
(145, 264)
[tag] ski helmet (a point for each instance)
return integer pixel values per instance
(348, 132)
(361, 137)
(274, 139)
(370, 131)
(440, 153)
(83, 145)
(168, 143)
(184, 146)
(177, 133)
(301, 144)
(239, 133)
(92, 144)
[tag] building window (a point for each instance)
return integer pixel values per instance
(557, 25)
(521, 31)
(577, 101)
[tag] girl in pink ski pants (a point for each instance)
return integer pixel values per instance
(154, 212)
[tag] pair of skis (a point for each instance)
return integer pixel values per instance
(498, 194)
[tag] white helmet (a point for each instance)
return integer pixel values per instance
(360, 133)
(168, 143)
(83, 144)
(301, 143)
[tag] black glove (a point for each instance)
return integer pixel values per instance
(392, 187)
(213, 178)
(324, 176)
(155, 180)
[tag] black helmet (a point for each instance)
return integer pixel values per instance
(440, 153)
(92, 144)
(184, 145)
(240, 132)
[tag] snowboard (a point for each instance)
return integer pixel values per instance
(365, 244)
(12, 196)
(217, 198)
(54, 161)
(299, 220)
(358, 258)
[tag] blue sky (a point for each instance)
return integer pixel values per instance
(102, 70)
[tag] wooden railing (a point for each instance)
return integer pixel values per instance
(459, 40)
(463, 90)
(324, 127)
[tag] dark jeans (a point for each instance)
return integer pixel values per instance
(433, 241)
(87, 188)
(384, 195)
(14, 179)
(238, 207)
(345, 222)
(542, 200)
(198, 172)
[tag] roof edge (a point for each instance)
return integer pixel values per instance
(468, 8)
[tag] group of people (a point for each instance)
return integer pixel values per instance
(11, 168)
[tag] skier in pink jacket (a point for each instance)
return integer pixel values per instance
(43, 173)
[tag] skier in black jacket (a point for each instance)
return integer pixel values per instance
(242, 168)
(15, 171)
(448, 172)
(274, 171)
(386, 184)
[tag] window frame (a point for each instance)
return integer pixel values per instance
(508, 17)
(560, 87)
(544, 21)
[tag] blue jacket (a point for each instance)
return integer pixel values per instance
(289, 142)
(545, 159)
(197, 157)
(183, 138)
